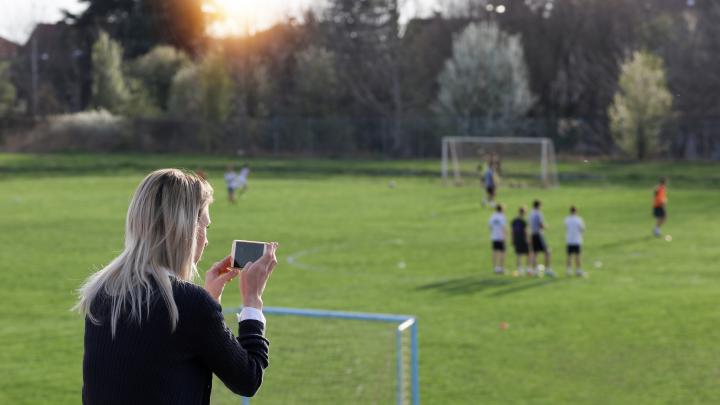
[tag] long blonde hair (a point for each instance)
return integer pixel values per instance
(160, 232)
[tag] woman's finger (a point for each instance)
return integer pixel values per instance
(272, 265)
(273, 261)
(265, 257)
(269, 253)
(229, 275)
(274, 256)
(222, 265)
(217, 264)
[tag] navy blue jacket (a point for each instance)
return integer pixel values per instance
(147, 363)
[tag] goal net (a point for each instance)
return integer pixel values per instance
(518, 161)
(328, 357)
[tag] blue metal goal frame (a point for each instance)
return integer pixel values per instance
(403, 322)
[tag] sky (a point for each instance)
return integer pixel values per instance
(17, 17)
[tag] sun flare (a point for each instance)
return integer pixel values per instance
(239, 17)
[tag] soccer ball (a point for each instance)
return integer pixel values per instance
(668, 238)
(392, 184)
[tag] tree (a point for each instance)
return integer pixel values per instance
(203, 90)
(696, 77)
(216, 88)
(264, 90)
(485, 78)
(140, 102)
(426, 45)
(641, 105)
(316, 80)
(364, 36)
(109, 89)
(156, 69)
(319, 92)
(573, 70)
(7, 90)
(185, 93)
(140, 25)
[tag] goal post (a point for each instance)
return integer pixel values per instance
(330, 357)
(524, 160)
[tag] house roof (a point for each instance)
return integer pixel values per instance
(8, 49)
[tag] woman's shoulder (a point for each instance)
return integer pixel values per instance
(188, 294)
(187, 290)
(196, 307)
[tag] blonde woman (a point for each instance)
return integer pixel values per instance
(151, 335)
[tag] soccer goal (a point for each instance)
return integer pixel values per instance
(521, 161)
(330, 357)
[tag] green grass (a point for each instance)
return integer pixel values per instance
(640, 330)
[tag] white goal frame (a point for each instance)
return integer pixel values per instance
(548, 174)
(407, 378)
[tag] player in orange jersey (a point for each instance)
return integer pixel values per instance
(659, 202)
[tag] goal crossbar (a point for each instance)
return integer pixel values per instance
(548, 169)
(492, 139)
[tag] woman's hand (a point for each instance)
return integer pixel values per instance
(255, 275)
(219, 275)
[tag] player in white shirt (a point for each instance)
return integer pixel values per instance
(537, 241)
(230, 181)
(574, 228)
(497, 235)
(241, 180)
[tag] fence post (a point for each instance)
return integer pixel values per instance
(275, 135)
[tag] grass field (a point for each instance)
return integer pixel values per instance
(641, 330)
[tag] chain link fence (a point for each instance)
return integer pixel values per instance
(415, 136)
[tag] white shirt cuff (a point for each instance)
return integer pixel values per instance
(251, 313)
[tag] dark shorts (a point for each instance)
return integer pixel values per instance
(498, 245)
(573, 249)
(659, 212)
(521, 247)
(490, 190)
(538, 243)
(231, 190)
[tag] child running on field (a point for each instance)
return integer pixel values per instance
(241, 181)
(230, 181)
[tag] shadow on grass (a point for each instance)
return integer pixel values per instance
(465, 285)
(626, 241)
(534, 283)
(475, 284)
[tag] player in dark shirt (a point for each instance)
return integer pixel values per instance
(520, 241)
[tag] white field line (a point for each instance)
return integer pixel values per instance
(293, 259)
